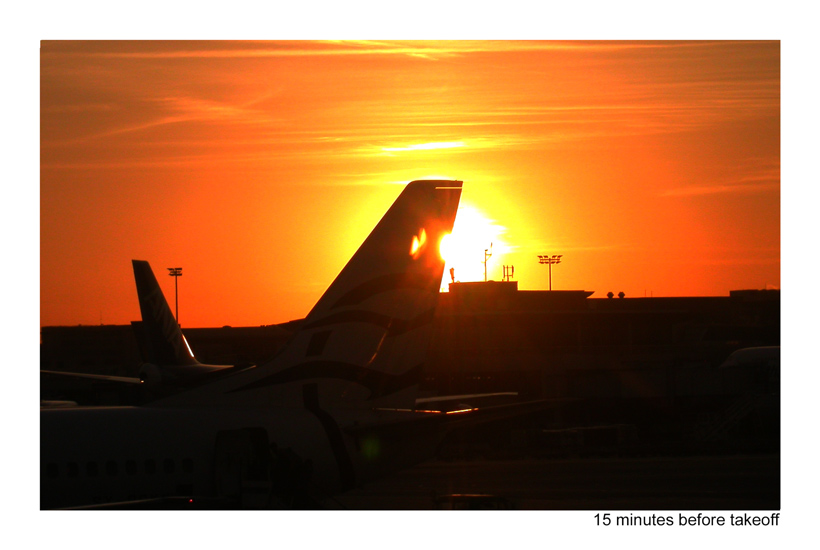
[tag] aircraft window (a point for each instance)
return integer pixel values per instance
(91, 469)
(111, 468)
(150, 466)
(130, 467)
(52, 470)
(187, 465)
(168, 466)
(72, 469)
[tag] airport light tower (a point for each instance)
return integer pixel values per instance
(176, 273)
(550, 260)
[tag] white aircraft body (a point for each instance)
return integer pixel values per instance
(319, 418)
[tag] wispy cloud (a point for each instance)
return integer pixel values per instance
(176, 109)
(423, 49)
(540, 246)
(762, 177)
(427, 146)
(772, 260)
(476, 144)
(507, 115)
(79, 108)
(699, 190)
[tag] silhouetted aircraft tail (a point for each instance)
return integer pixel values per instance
(163, 341)
(363, 343)
(332, 409)
(167, 357)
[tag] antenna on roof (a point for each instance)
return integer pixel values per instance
(486, 257)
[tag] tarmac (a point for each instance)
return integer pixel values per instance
(733, 482)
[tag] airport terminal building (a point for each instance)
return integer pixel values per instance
(613, 376)
(493, 337)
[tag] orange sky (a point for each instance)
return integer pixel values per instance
(654, 168)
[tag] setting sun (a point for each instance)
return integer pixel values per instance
(473, 237)
(280, 156)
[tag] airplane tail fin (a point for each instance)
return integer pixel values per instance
(163, 342)
(365, 340)
(363, 343)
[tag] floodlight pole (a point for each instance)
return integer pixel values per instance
(549, 260)
(176, 273)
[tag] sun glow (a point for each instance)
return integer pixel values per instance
(426, 146)
(474, 237)
(418, 243)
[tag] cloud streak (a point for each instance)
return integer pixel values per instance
(762, 177)
(700, 190)
(422, 49)
(427, 146)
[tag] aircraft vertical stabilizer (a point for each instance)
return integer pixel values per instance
(309, 423)
(363, 343)
(164, 343)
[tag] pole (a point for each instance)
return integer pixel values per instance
(550, 264)
(176, 297)
(549, 260)
(176, 273)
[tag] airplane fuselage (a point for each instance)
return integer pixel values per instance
(97, 455)
(310, 422)
(251, 458)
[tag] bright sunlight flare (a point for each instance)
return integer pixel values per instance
(464, 249)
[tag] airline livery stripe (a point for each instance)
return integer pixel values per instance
(386, 283)
(347, 474)
(392, 325)
(379, 383)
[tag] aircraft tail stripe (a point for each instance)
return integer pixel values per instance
(347, 473)
(392, 325)
(387, 283)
